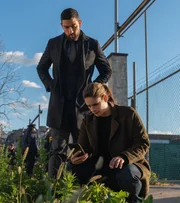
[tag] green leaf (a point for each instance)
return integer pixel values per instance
(149, 199)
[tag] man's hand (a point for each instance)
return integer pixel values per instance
(76, 159)
(116, 162)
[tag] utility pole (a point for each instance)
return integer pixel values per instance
(129, 22)
(116, 26)
(39, 119)
(147, 91)
(39, 116)
(134, 84)
(146, 59)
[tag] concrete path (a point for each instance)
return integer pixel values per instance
(166, 194)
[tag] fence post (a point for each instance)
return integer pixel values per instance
(134, 85)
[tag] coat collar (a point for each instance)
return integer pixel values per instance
(60, 47)
(85, 46)
(84, 39)
(92, 125)
(114, 121)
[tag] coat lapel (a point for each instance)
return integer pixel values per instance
(85, 48)
(59, 45)
(93, 131)
(59, 49)
(114, 127)
(114, 123)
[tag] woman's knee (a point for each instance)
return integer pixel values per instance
(129, 171)
(129, 177)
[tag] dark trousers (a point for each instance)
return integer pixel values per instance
(60, 137)
(30, 160)
(126, 179)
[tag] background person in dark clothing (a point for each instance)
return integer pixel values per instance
(11, 156)
(74, 57)
(29, 140)
(117, 134)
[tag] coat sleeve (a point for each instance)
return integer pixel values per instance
(102, 66)
(43, 68)
(83, 138)
(139, 137)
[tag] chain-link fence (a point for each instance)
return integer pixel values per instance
(163, 121)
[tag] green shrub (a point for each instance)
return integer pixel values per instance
(154, 178)
(17, 187)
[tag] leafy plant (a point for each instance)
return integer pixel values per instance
(154, 178)
(17, 187)
(149, 199)
(40, 166)
(6, 175)
(98, 193)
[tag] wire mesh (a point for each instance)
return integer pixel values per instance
(163, 122)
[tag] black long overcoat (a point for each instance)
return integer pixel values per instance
(91, 56)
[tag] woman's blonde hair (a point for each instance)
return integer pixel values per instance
(96, 89)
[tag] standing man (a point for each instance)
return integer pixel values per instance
(73, 56)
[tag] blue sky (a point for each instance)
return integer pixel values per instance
(26, 26)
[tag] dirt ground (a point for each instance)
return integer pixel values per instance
(166, 194)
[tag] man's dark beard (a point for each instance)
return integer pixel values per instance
(69, 38)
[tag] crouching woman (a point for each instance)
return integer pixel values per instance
(117, 134)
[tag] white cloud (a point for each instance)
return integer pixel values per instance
(43, 104)
(161, 132)
(178, 130)
(18, 114)
(24, 99)
(45, 99)
(28, 83)
(19, 106)
(4, 123)
(11, 90)
(18, 57)
(17, 68)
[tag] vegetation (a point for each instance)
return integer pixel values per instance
(17, 187)
(154, 178)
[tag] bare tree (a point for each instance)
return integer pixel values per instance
(11, 89)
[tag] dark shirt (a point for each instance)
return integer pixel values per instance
(71, 70)
(67, 45)
(104, 126)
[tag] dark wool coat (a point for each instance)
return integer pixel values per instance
(91, 56)
(29, 141)
(128, 138)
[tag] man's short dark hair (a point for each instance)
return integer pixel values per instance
(69, 13)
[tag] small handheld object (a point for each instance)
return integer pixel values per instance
(77, 147)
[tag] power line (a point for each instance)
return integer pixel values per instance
(156, 71)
